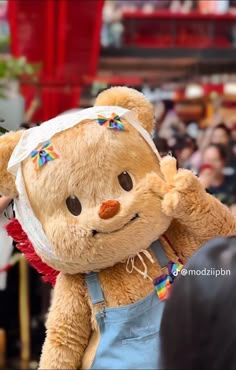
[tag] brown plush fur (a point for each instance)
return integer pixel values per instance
(7, 145)
(168, 202)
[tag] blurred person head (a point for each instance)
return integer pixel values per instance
(161, 145)
(170, 123)
(215, 156)
(169, 105)
(233, 132)
(199, 323)
(162, 109)
(184, 147)
(221, 135)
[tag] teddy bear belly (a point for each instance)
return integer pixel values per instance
(122, 288)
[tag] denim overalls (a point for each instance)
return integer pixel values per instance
(129, 335)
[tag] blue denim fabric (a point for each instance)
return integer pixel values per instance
(129, 335)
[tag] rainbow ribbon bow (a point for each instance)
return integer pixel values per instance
(45, 154)
(163, 283)
(114, 122)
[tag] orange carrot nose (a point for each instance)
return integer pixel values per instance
(109, 209)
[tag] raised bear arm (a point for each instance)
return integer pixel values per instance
(197, 216)
(68, 325)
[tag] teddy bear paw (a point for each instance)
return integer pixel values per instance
(186, 180)
(181, 187)
(171, 203)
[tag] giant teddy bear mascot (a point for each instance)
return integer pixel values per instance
(111, 221)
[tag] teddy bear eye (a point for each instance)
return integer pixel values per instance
(125, 181)
(74, 205)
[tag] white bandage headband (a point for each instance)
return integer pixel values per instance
(30, 140)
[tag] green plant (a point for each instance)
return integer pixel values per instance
(4, 44)
(16, 68)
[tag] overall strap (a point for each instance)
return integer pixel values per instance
(160, 254)
(92, 279)
(94, 287)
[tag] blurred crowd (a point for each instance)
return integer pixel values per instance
(113, 27)
(184, 6)
(210, 152)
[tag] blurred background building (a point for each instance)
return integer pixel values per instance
(57, 55)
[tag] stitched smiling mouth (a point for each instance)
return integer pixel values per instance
(95, 232)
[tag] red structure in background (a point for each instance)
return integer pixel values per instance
(164, 29)
(65, 37)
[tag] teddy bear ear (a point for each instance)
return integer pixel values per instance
(7, 180)
(131, 99)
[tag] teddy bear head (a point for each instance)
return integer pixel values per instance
(81, 183)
